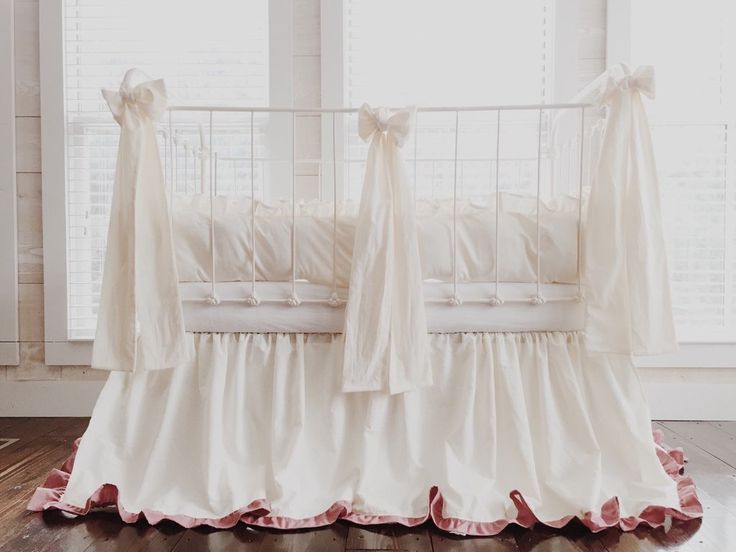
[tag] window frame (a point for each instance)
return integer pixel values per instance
(59, 348)
(9, 328)
(692, 353)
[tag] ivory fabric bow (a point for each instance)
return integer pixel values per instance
(620, 78)
(140, 325)
(396, 125)
(386, 345)
(147, 98)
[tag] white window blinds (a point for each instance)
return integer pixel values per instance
(694, 55)
(213, 52)
(470, 52)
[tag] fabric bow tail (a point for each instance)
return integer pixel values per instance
(627, 292)
(386, 344)
(140, 325)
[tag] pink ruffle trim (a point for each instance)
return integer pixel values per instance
(257, 513)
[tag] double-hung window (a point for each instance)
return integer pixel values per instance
(472, 52)
(212, 53)
(693, 51)
(468, 53)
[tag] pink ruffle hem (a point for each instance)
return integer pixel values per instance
(49, 497)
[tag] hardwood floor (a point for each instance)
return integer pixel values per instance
(30, 447)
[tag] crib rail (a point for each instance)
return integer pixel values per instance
(202, 157)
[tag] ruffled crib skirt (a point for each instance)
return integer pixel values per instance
(516, 428)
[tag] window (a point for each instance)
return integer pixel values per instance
(439, 54)
(214, 53)
(693, 117)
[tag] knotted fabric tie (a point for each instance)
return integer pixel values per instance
(395, 126)
(146, 99)
(386, 345)
(620, 79)
(140, 325)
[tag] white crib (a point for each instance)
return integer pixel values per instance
(535, 413)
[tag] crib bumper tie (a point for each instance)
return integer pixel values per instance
(140, 324)
(386, 345)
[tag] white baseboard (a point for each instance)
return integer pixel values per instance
(690, 393)
(673, 394)
(48, 398)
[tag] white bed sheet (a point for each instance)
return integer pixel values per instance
(273, 315)
(314, 240)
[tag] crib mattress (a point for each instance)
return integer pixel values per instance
(472, 230)
(517, 314)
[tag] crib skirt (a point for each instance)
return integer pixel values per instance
(520, 427)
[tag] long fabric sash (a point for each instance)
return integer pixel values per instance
(140, 325)
(386, 345)
(627, 293)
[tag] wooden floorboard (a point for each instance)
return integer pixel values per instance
(711, 475)
(708, 437)
(44, 443)
(504, 542)
(389, 537)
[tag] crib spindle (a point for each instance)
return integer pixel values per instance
(253, 300)
(177, 141)
(204, 155)
(185, 145)
(579, 258)
(206, 152)
(213, 194)
(172, 165)
(172, 140)
(538, 299)
(455, 299)
(293, 299)
(334, 300)
(496, 297)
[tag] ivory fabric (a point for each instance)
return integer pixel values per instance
(476, 242)
(262, 419)
(385, 322)
(627, 293)
(140, 325)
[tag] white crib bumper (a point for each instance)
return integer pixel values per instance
(315, 315)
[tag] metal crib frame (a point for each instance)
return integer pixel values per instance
(206, 153)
